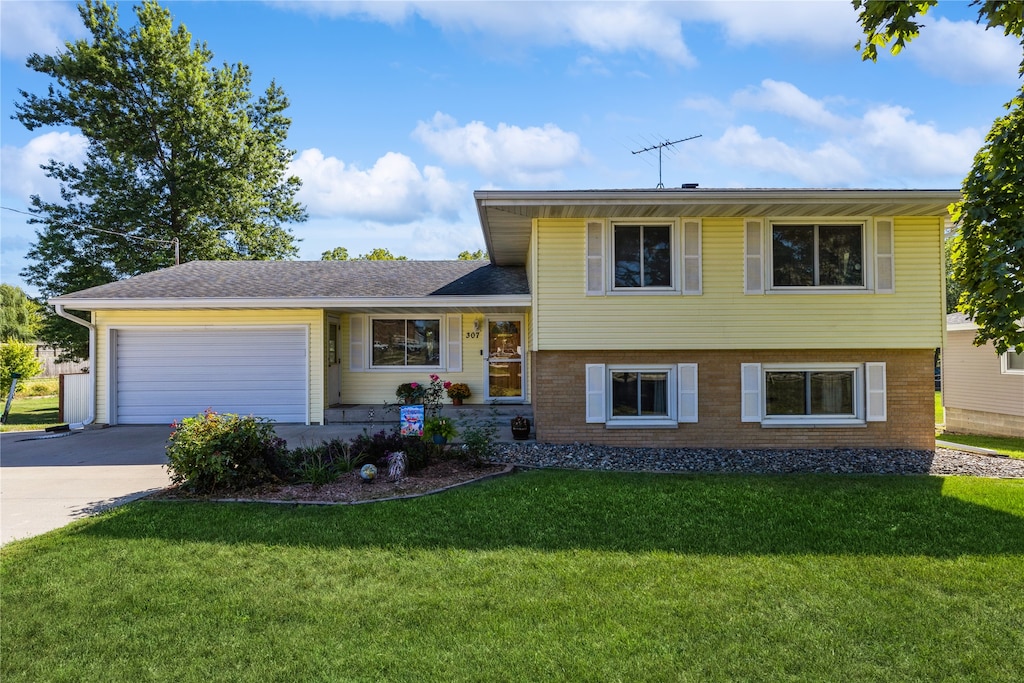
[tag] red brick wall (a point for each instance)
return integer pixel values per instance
(559, 401)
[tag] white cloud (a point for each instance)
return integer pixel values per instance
(510, 153)
(819, 23)
(965, 52)
(394, 190)
(608, 27)
(826, 166)
(907, 147)
(21, 176)
(788, 100)
(43, 27)
(881, 143)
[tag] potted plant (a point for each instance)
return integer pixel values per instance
(410, 393)
(520, 428)
(439, 429)
(457, 392)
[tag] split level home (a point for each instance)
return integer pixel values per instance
(737, 318)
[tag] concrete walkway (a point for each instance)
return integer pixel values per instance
(49, 480)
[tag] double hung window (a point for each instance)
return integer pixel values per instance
(643, 256)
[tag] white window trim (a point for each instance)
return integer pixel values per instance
(857, 419)
(1004, 366)
(867, 255)
(367, 344)
(681, 389)
(675, 252)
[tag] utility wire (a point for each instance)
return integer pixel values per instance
(173, 241)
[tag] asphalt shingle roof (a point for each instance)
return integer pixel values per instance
(307, 279)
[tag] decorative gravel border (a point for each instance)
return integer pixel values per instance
(941, 461)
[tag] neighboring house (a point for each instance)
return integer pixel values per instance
(982, 391)
(690, 317)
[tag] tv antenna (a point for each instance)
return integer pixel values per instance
(660, 146)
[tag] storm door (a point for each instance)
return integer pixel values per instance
(504, 367)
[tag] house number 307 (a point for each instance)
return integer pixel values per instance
(472, 335)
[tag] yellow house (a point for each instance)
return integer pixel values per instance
(691, 317)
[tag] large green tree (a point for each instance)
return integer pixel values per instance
(177, 150)
(20, 316)
(988, 249)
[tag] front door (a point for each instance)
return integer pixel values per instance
(505, 359)
(333, 361)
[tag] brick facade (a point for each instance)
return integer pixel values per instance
(559, 401)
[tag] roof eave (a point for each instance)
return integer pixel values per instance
(305, 302)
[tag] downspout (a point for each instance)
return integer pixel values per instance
(59, 310)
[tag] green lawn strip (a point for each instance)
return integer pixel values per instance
(539, 576)
(31, 413)
(940, 412)
(1013, 447)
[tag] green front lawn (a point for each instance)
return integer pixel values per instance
(30, 413)
(540, 576)
(1005, 445)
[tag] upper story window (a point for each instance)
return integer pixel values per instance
(631, 258)
(643, 256)
(817, 255)
(402, 342)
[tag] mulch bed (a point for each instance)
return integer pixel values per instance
(350, 488)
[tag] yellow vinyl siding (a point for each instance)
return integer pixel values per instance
(723, 317)
(378, 386)
(314, 319)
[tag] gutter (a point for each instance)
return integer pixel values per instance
(59, 310)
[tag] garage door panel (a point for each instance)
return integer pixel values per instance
(165, 375)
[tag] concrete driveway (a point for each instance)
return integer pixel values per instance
(47, 482)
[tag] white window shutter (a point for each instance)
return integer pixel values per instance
(753, 249)
(751, 390)
(686, 402)
(356, 343)
(692, 257)
(595, 262)
(874, 380)
(455, 343)
(595, 392)
(885, 272)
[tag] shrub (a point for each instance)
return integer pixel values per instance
(478, 438)
(375, 449)
(325, 462)
(216, 451)
(17, 357)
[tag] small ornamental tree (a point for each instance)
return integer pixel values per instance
(17, 357)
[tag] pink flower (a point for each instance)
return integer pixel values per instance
(447, 385)
(414, 385)
(434, 378)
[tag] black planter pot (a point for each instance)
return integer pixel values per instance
(520, 433)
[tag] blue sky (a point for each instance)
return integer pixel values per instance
(401, 109)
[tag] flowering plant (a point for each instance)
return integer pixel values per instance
(430, 395)
(520, 422)
(458, 390)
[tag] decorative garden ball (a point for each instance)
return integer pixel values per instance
(368, 473)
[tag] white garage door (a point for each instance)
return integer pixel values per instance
(167, 374)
